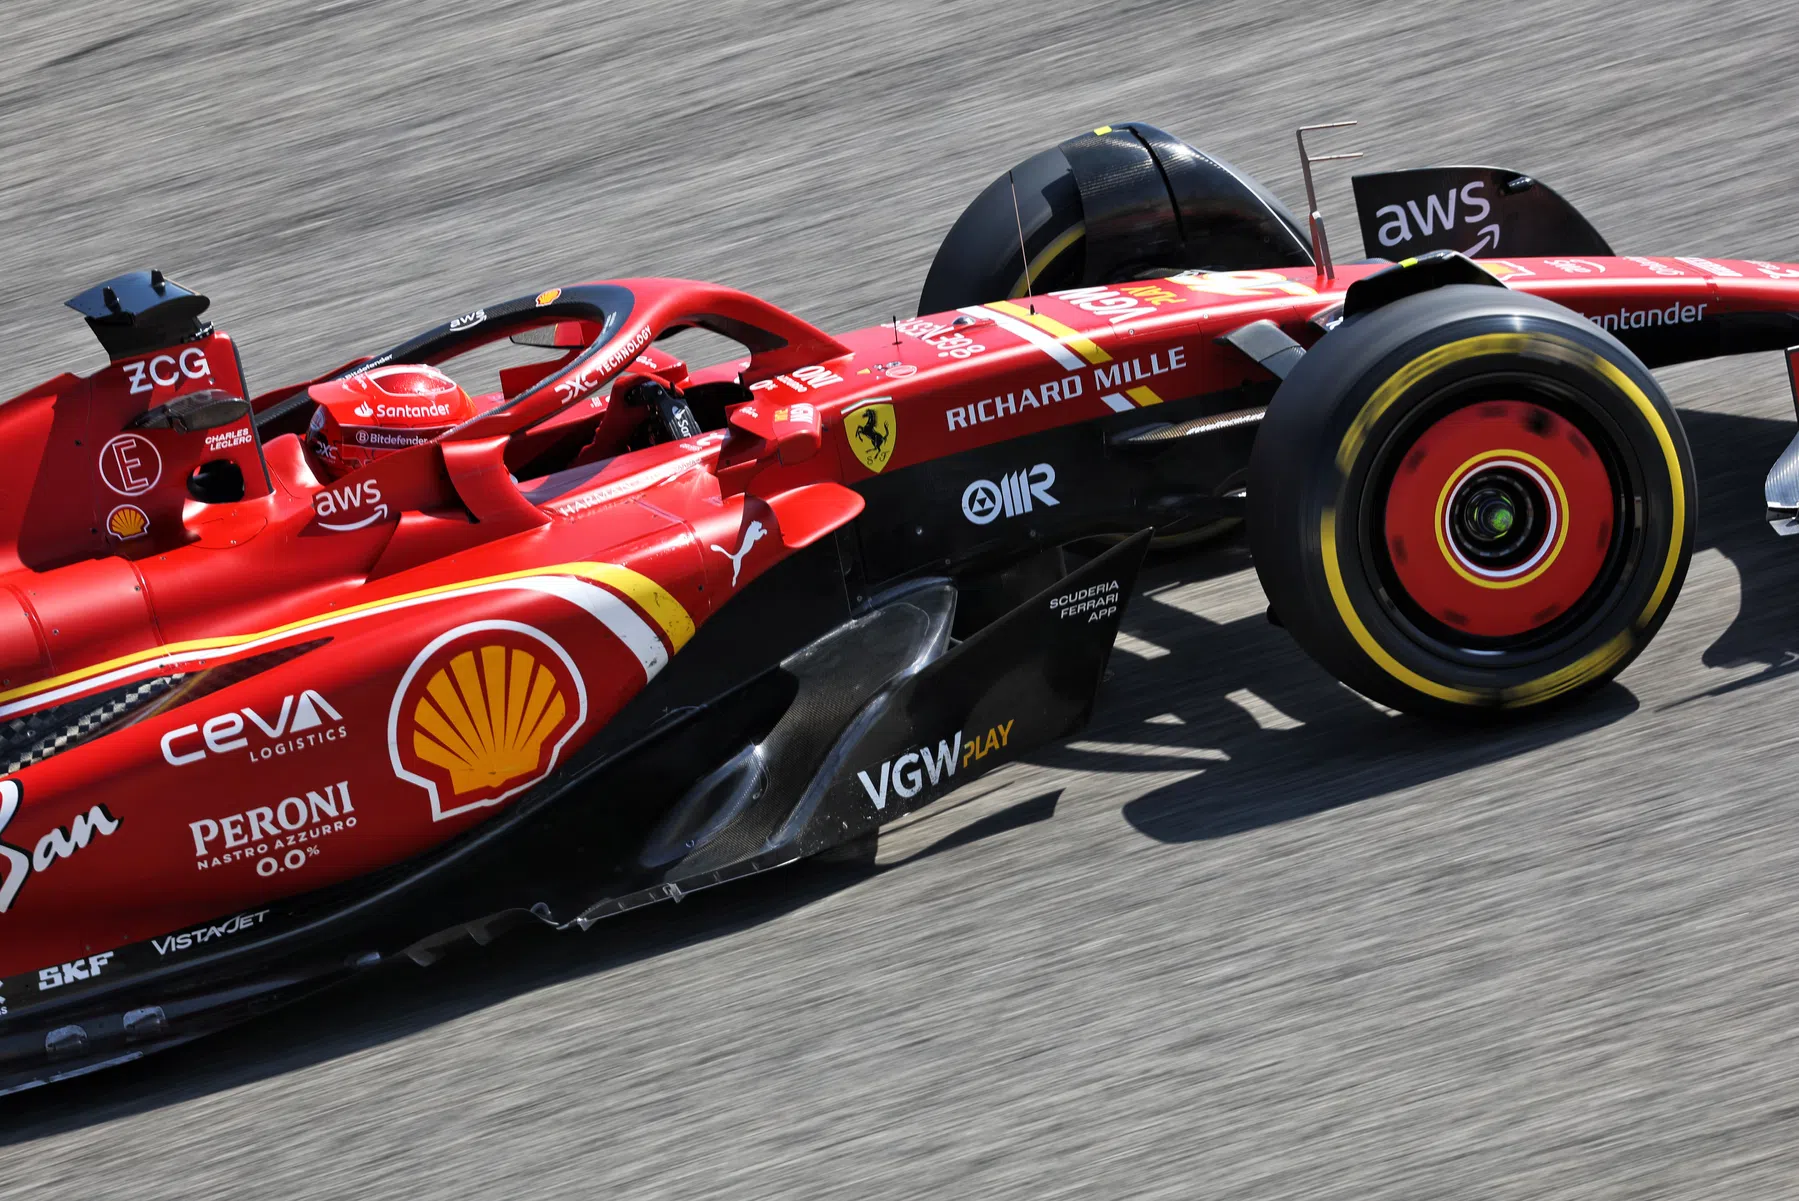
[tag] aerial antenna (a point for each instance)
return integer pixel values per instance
(1023, 257)
(1321, 246)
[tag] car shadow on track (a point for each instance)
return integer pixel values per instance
(1733, 455)
(400, 1000)
(1259, 733)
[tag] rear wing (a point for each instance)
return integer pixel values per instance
(1482, 212)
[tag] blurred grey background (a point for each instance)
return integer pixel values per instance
(1246, 936)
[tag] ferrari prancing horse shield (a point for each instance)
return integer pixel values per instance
(483, 713)
(870, 429)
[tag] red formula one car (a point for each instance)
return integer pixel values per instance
(297, 683)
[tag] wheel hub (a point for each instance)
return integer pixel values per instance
(1498, 520)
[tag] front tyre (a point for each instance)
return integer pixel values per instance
(1471, 502)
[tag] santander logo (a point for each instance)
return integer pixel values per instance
(409, 411)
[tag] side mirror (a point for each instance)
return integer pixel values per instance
(792, 431)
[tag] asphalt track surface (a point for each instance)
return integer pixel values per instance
(1246, 936)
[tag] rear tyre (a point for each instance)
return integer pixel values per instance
(1124, 202)
(1471, 502)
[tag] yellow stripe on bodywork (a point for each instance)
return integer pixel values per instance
(668, 613)
(655, 600)
(1071, 338)
(1143, 395)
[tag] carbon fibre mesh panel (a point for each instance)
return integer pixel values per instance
(37, 736)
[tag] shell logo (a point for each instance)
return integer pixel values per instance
(127, 522)
(483, 713)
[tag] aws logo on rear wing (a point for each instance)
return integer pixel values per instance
(1474, 210)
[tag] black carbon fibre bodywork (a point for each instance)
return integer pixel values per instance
(702, 780)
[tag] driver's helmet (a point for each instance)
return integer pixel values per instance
(373, 413)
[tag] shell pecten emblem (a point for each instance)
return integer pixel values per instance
(127, 522)
(483, 713)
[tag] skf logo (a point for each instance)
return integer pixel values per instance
(483, 713)
(68, 973)
(127, 522)
(343, 502)
(984, 501)
(870, 430)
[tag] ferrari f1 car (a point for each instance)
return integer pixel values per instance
(297, 683)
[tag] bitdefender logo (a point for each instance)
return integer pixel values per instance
(304, 720)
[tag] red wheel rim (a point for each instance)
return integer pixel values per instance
(1499, 519)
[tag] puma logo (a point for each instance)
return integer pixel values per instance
(750, 538)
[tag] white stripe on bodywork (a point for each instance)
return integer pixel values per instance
(1117, 402)
(1029, 333)
(610, 611)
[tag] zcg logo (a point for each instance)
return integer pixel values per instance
(167, 370)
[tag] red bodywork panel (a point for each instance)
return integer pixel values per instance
(416, 644)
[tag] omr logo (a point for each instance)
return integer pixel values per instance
(483, 713)
(985, 501)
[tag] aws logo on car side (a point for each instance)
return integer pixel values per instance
(483, 713)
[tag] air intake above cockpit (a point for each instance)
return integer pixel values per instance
(142, 311)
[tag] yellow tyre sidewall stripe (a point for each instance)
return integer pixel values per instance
(1540, 345)
(1049, 254)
